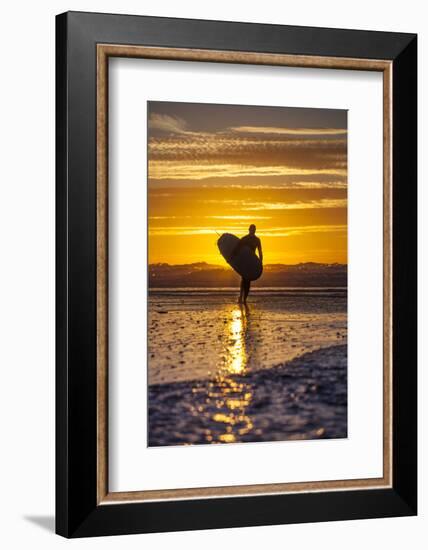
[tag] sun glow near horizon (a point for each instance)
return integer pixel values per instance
(218, 168)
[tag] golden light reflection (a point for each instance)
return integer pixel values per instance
(230, 395)
(237, 356)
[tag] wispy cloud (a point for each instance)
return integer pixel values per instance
(239, 217)
(300, 230)
(296, 205)
(159, 170)
(286, 231)
(272, 130)
(279, 182)
(196, 156)
(204, 146)
(295, 185)
(168, 217)
(180, 150)
(167, 123)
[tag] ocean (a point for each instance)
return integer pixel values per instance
(219, 372)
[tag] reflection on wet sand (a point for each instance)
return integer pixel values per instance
(236, 359)
(219, 373)
(228, 394)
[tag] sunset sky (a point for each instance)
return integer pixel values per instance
(222, 167)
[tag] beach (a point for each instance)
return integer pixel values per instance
(223, 373)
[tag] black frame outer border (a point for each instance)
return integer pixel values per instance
(77, 513)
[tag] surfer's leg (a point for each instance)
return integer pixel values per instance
(241, 291)
(246, 290)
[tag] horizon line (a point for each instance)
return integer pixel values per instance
(265, 264)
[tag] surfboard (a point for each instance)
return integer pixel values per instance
(245, 262)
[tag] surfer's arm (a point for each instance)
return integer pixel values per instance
(259, 250)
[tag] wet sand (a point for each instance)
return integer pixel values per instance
(220, 373)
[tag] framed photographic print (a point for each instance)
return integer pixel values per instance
(236, 274)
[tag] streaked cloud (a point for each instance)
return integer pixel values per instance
(167, 123)
(297, 205)
(289, 131)
(298, 185)
(179, 170)
(280, 205)
(197, 146)
(280, 182)
(168, 217)
(197, 155)
(286, 231)
(300, 230)
(237, 217)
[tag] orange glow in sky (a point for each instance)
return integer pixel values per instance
(219, 168)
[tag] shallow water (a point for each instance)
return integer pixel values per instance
(220, 373)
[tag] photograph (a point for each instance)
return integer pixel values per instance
(247, 209)
(235, 245)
